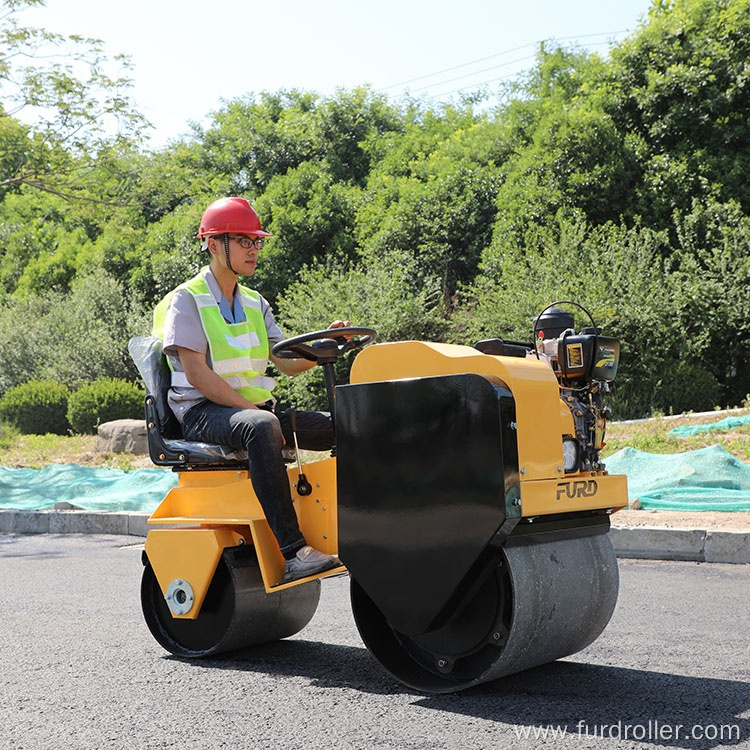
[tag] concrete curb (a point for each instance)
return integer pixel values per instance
(74, 522)
(643, 542)
(698, 545)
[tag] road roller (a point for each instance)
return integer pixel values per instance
(465, 498)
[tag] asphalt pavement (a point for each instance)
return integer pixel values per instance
(81, 671)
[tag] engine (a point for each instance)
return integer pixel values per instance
(585, 364)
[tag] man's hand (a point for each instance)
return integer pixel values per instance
(340, 324)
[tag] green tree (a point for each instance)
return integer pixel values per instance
(311, 217)
(79, 108)
(433, 196)
(679, 84)
(253, 139)
(169, 254)
(256, 139)
(70, 337)
(709, 281)
(389, 294)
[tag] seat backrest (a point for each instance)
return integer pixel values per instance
(151, 362)
(166, 445)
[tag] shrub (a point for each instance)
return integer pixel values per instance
(687, 387)
(70, 337)
(36, 407)
(104, 400)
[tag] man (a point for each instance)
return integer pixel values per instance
(217, 336)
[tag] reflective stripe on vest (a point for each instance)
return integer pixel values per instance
(239, 351)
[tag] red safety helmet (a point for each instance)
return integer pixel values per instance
(231, 215)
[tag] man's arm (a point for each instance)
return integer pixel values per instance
(211, 385)
(292, 366)
(299, 364)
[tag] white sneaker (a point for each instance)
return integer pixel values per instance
(307, 562)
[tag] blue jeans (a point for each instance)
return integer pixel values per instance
(262, 434)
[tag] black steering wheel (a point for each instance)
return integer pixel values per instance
(326, 346)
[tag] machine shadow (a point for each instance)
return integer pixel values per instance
(586, 698)
(327, 665)
(9, 540)
(605, 701)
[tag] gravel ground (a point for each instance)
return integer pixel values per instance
(673, 519)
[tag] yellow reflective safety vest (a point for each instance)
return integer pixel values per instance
(238, 351)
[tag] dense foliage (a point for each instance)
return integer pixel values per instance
(618, 182)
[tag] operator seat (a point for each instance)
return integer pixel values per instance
(166, 446)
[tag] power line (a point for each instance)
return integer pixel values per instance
(484, 83)
(456, 67)
(489, 57)
(474, 73)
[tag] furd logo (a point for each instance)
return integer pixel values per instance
(577, 488)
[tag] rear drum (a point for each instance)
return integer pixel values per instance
(236, 613)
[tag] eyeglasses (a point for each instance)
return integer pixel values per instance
(248, 242)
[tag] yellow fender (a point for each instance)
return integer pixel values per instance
(213, 510)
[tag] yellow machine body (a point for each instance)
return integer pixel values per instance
(215, 509)
(472, 565)
(542, 418)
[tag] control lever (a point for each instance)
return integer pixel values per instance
(303, 486)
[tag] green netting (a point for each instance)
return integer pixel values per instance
(705, 479)
(85, 487)
(727, 423)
